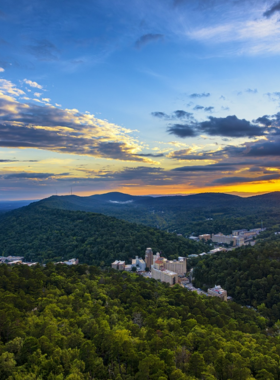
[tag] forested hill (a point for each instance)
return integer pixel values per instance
(80, 323)
(251, 275)
(44, 234)
(198, 213)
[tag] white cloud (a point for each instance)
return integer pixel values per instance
(32, 84)
(46, 100)
(8, 88)
(37, 94)
(2, 70)
(257, 36)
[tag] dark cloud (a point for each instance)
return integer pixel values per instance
(178, 114)
(263, 120)
(182, 130)
(201, 95)
(198, 107)
(208, 109)
(185, 155)
(150, 155)
(207, 168)
(229, 126)
(19, 161)
(147, 38)
(44, 50)
(25, 175)
(140, 175)
(64, 132)
(24, 137)
(8, 160)
(230, 180)
(161, 115)
(273, 9)
(263, 148)
(255, 169)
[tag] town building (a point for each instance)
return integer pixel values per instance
(119, 265)
(217, 291)
(177, 266)
(138, 263)
(149, 256)
(168, 270)
(228, 239)
(164, 275)
(205, 237)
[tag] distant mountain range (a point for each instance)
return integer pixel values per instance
(197, 213)
(116, 201)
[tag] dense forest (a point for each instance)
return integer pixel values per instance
(44, 234)
(251, 275)
(80, 323)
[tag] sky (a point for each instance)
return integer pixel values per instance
(143, 97)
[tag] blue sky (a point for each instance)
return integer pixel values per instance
(144, 97)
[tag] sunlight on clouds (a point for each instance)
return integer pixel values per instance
(8, 88)
(66, 131)
(32, 84)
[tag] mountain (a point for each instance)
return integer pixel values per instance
(197, 213)
(47, 234)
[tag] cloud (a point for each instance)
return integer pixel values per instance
(32, 84)
(273, 96)
(135, 177)
(273, 9)
(262, 149)
(201, 95)
(46, 100)
(37, 94)
(44, 50)
(8, 160)
(187, 154)
(198, 107)
(229, 126)
(160, 115)
(35, 176)
(208, 109)
(231, 180)
(26, 125)
(2, 70)
(147, 38)
(150, 155)
(250, 91)
(178, 114)
(8, 88)
(182, 130)
(208, 168)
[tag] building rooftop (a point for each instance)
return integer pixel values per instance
(218, 289)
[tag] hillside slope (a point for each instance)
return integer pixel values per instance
(80, 323)
(44, 234)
